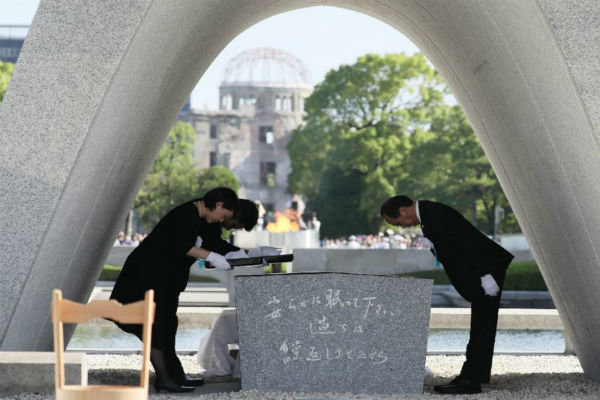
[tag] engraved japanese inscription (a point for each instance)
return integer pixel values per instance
(333, 332)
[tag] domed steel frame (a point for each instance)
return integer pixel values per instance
(268, 63)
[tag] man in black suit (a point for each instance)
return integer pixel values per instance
(476, 266)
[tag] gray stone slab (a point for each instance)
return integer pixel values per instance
(33, 371)
(332, 332)
(360, 261)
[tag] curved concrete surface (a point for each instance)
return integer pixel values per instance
(98, 85)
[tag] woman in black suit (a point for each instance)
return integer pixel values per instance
(162, 262)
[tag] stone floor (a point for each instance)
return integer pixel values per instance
(514, 377)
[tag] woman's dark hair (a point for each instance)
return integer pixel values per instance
(223, 194)
(246, 214)
(390, 206)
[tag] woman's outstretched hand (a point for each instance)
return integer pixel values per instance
(218, 261)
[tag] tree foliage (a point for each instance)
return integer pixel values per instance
(173, 179)
(6, 70)
(217, 176)
(447, 163)
(382, 126)
(358, 123)
(339, 195)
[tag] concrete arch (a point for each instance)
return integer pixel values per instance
(98, 86)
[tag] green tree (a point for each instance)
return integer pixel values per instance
(213, 177)
(447, 163)
(339, 195)
(6, 70)
(358, 123)
(382, 126)
(172, 179)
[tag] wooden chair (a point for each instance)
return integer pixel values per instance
(141, 312)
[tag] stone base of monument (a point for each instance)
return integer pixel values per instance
(333, 332)
(33, 371)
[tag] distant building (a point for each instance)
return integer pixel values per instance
(261, 102)
(12, 38)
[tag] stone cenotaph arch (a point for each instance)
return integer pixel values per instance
(99, 83)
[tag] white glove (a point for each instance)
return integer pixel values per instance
(236, 254)
(263, 251)
(218, 261)
(489, 285)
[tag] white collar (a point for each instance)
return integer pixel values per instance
(417, 209)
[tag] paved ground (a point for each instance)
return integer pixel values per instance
(514, 377)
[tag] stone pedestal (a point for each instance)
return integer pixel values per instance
(331, 332)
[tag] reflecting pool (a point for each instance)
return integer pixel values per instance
(109, 337)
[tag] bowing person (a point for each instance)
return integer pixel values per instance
(162, 262)
(476, 266)
(244, 217)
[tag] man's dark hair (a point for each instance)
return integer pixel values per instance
(226, 195)
(246, 214)
(390, 206)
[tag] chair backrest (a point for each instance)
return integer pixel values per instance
(140, 312)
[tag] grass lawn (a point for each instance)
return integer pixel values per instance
(523, 275)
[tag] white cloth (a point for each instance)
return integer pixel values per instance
(213, 353)
(428, 372)
(236, 254)
(263, 251)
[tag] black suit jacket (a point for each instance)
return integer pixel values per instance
(161, 262)
(465, 252)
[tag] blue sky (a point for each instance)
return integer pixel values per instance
(333, 37)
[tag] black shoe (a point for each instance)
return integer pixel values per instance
(459, 386)
(172, 387)
(185, 381)
(164, 380)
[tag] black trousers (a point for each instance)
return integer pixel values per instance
(164, 330)
(484, 320)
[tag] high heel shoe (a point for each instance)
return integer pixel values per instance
(164, 380)
(185, 381)
(172, 387)
(178, 374)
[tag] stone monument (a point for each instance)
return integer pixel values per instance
(333, 332)
(96, 90)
